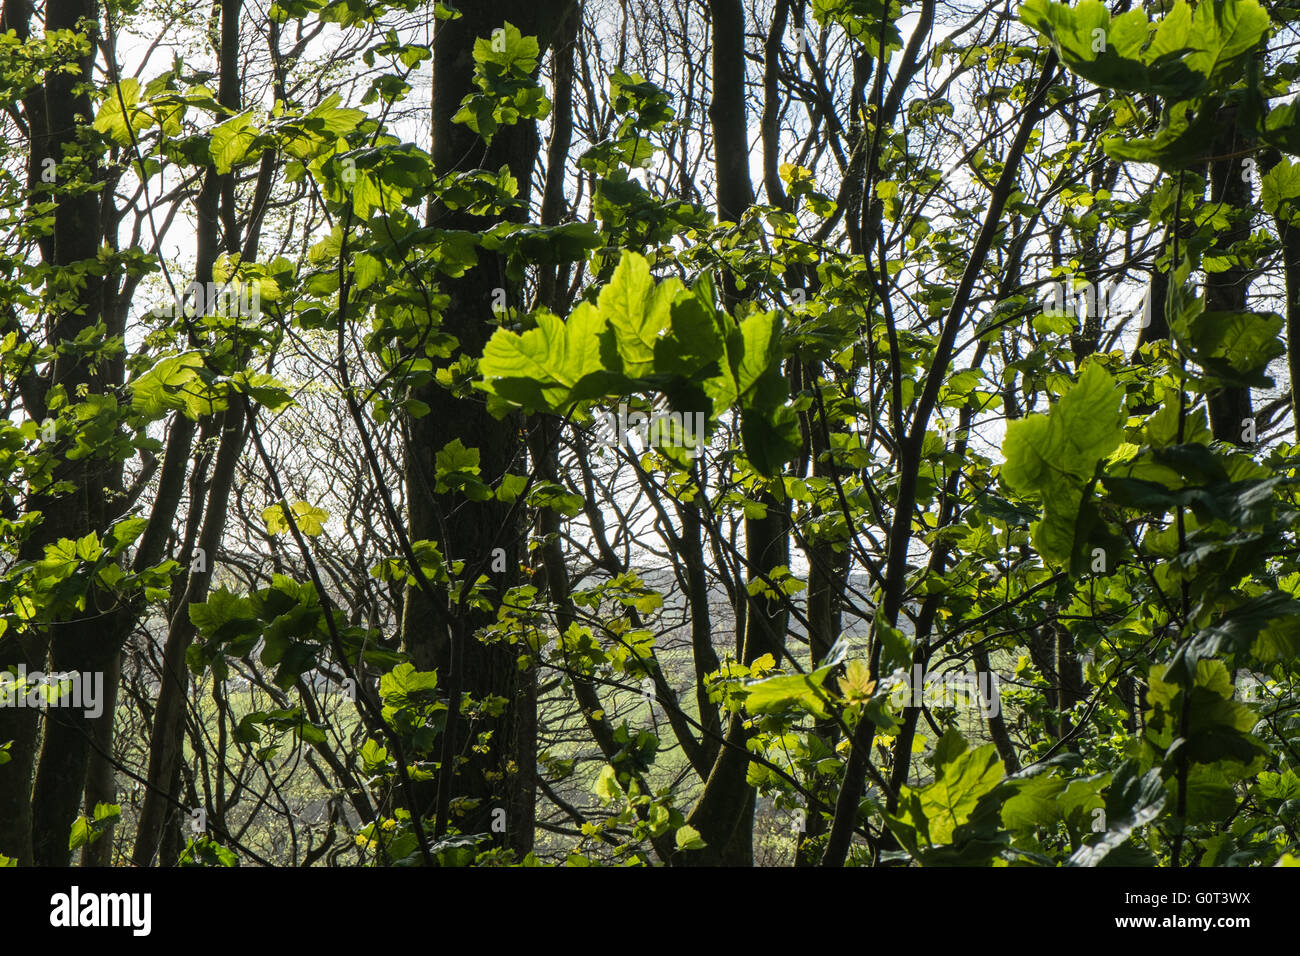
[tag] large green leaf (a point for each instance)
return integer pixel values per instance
(232, 142)
(1133, 802)
(1234, 347)
(782, 693)
(1186, 52)
(638, 311)
(176, 382)
(1280, 185)
(122, 116)
(542, 368)
(1086, 425)
(1055, 456)
(963, 777)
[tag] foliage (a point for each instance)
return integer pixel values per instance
(881, 457)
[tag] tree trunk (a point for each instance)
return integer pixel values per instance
(76, 644)
(162, 800)
(101, 778)
(1289, 232)
(724, 813)
(502, 774)
(1226, 291)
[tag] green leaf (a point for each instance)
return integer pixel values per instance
(404, 681)
(963, 778)
(1234, 347)
(1055, 456)
(758, 366)
(510, 488)
(1279, 184)
(87, 830)
(546, 368)
(1133, 802)
(455, 464)
(124, 533)
(309, 519)
(1221, 34)
(175, 383)
(118, 123)
(771, 439)
(607, 787)
(507, 49)
(1187, 53)
(688, 838)
(777, 694)
(1085, 426)
(1034, 803)
(638, 311)
(232, 141)
(224, 615)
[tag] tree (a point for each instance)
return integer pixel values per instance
(851, 440)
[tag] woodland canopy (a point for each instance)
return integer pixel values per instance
(652, 432)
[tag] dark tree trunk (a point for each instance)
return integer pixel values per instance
(724, 813)
(1226, 291)
(162, 800)
(501, 775)
(101, 777)
(77, 644)
(158, 828)
(1289, 232)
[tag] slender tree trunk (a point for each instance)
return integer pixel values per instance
(1291, 261)
(101, 775)
(161, 810)
(1157, 327)
(502, 774)
(727, 112)
(827, 579)
(75, 645)
(1042, 651)
(162, 800)
(724, 813)
(1069, 671)
(1226, 291)
(27, 647)
(997, 723)
(1289, 233)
